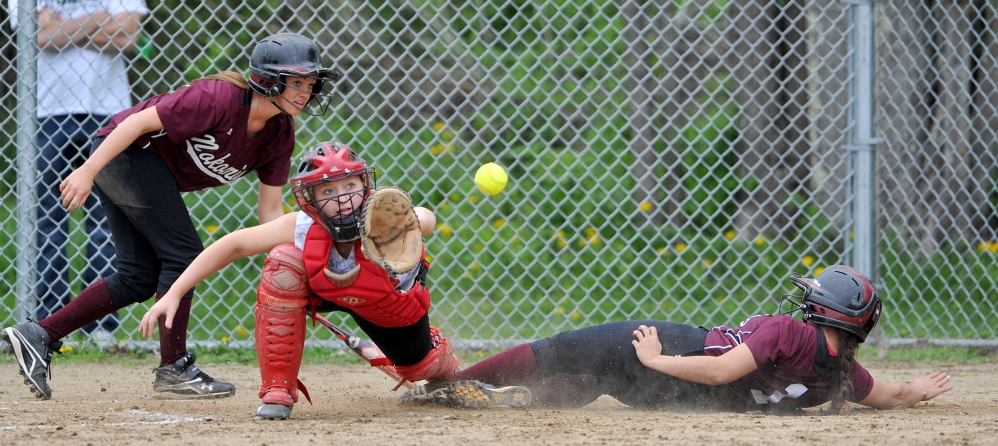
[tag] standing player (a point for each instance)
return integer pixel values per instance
(768, 362)
(203, 135)
(352, 248)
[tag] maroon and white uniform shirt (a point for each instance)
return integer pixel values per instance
(787, 353)
(204, 140)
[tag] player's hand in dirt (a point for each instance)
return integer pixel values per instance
(76, 187)
(647, 344)
(933, 384)
(165, 306)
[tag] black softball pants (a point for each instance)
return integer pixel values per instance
(605, 356)
(151, 227)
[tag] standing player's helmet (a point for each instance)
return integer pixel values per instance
(281, 55)
(840, 297)
(327, 162)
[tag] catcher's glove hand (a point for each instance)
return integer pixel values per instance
(390, 234)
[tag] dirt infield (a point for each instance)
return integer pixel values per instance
(104, 404)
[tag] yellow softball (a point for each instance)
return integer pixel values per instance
(491, 178)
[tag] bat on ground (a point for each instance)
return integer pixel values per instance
(367, 350)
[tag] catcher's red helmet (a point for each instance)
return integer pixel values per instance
(840, 297)
(327, 162)
(281, 55)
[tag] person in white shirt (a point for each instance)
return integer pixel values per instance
(82, 81)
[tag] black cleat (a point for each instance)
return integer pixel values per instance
(468, 394)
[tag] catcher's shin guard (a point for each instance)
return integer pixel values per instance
(439, 362)
(280, 324)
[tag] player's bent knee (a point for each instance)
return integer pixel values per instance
(284, 283)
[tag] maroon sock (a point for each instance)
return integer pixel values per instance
(516, 366)
(91, 305)
(173, 341)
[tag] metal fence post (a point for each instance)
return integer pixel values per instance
(862, 142)
(27, 104)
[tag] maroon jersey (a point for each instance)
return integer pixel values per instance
(204, 139)
(785, 349)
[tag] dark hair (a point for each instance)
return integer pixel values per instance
(842, 387)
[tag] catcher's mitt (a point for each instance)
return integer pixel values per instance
(390, 235)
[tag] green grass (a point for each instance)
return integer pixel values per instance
(319, 355)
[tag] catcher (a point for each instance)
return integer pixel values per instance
(352, 248)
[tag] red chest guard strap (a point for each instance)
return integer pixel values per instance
(367, 289)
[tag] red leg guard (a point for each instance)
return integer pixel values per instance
(280, 324)
(440, 362)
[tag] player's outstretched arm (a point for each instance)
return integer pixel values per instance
(234, 246)
(905, 395)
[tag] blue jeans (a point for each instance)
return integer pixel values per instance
(64, 143)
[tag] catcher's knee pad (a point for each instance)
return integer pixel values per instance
(284, 282)
(280, 324)
(440, 362)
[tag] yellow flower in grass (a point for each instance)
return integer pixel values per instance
(730, 235)
(592, 237)
(438, 149)
(818, 270)
(576, 316)
(225, 339)
(760, 240)
(708, 263)
(681, 247)
(438, 126)
(211, 228)
(983, 246)
(66, 348)
(808, 260)
(446, 229)
(993, 247)
(662, 250)
(498, 223)
(560, 236)
(645, 206)
(241, 331)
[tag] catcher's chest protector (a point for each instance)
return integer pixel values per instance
(367, 289)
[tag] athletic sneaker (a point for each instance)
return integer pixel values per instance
(468, 394)
(274, 412)
(33, 350)
(183, 380)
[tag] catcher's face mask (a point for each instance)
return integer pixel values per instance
(331, 186)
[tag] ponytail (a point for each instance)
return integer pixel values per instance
(231, 77)
(842, 387)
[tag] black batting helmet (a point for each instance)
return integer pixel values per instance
(288, 54)
(840, 297)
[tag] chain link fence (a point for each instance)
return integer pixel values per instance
(667, 159)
